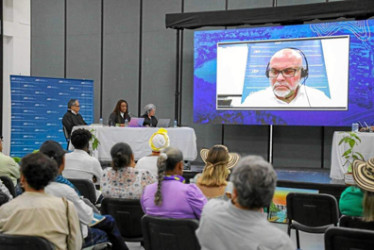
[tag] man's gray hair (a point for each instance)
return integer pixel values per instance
(71, 103)
(255, 181)
(149, 107)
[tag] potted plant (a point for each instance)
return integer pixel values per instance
(351, 139)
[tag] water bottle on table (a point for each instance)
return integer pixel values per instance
(355, 127)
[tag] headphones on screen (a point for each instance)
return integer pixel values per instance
(303, 72)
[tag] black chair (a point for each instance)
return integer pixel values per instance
(24, 242)
(67, 136)
(311, 213)
(9, 184)
(127, 214)
(86, 188)
(169, 234)
(338, 238)
(355, 222)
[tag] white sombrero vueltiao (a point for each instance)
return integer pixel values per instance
(233, 157)
(363, 174)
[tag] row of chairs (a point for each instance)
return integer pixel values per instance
(318, 213)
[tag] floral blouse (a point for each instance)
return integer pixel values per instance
(127, 183)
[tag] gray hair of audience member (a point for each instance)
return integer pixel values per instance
(167, 161)
(71, 103)
(121, 155)
(255, 181)
(149, 107)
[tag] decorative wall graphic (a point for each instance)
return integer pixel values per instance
(38, 105)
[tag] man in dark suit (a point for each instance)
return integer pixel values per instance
(71, 117)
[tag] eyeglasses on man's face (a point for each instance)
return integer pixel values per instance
(287, 73)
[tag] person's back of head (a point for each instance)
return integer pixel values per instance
(80, 138)
(167, 161)
(122, 155)
(53, 150)
(38, 170)
(254, 180)
(159, 140)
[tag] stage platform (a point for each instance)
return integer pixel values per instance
(316, 179)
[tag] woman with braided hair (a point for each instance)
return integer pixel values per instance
(170, 196)
(212, 182)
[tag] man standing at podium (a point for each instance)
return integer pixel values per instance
(71, 117)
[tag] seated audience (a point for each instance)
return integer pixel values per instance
(8, 167)
(350, 202)
(120, 114)
(4, 191)
(213, 181)
(101, 232)
(72, 117)
(170, 196)
(363, 174)
(150, 119)
(241, 222)
(36, 213)
(122, 180)
(79, 164)
(158, 141)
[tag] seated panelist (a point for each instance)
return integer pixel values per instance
(72, 117)
(150, 119)
(120, 113)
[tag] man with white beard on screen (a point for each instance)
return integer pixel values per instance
(285, 71)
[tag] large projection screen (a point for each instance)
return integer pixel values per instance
(241, 76)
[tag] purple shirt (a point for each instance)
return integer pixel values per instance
(179, 200)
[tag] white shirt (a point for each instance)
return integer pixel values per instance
(148, 163)
(306, 97)
(85, 212)
(224, 226)
(80, 165)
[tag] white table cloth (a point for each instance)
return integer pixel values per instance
(183, 138)
(366, 148)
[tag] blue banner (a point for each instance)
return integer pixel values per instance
(38, 105)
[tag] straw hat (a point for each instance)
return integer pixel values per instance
(363, 174)
(159, 140)
(233, 157)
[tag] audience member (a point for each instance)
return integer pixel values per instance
(120, 113)
(350, 202)
(36, 213)
(4, 190)
(213, 181)
(79, 164)
(158, 141)
(72, 117)
(8, 167)
(241, 223)
(61, 187)
(363, 174)
(150, 119)
(122, 180)
(170, 196)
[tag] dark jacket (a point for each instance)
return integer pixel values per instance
(149, 122)
(70, 120)
(114, 118)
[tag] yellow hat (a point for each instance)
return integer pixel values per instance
(159, 140)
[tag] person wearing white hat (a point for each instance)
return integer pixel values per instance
(218, 162)
(158, 141)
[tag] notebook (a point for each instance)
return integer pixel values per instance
(164, 123)
(136, 122)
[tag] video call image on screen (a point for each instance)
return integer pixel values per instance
(318, 74)
(247, 79)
